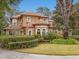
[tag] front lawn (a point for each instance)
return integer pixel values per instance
(52, 49)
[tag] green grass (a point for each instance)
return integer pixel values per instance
(52, 49)
(69, 41)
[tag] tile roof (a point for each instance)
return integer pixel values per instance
(29, 14)
(34, 14)
(16, 16)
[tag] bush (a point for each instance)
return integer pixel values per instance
(16, 42)
(75, 32)
(64, 41)
(15, 38)
(39, 37)
(50, 36)
(71, 41)
(23, 44)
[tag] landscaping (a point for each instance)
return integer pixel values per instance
(17, 42)
(50, 44)
(55, 45)
(52, 49)
(70, 41)
(48, 27)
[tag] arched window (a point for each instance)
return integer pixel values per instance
(43, 32)
(30, 33)
(38, 32)
(24, 31)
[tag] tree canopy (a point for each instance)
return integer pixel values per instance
(6, 6)
(44, 11)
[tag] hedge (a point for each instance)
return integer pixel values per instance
(17, 42)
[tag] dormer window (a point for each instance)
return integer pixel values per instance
(28, 19)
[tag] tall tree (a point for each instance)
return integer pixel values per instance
(58, 19)
(73, 20)
(6, 6)
(44, 11)
(65, 9)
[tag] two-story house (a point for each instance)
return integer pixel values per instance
(29, 23)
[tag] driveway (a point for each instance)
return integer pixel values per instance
(16, 55)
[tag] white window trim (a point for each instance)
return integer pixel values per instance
(31, 32)
(14, 22)
(28, 19)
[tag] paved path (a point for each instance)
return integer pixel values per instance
(16, 55)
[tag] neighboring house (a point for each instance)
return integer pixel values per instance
(29, 23)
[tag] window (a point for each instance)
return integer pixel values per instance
(38, 32)
(30, 33)
(14, 21)
(43, 32)
(28, 19)
(24, 31)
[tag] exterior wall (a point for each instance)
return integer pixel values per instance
(35, 20)
(19, 23)
(51, 22)
(40, 20)
(25, 23)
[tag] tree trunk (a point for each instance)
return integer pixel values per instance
(65, 33)
(66, 25)
(0, 32)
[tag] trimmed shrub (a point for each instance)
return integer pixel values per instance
(69, 41)
(17, 42)
(23, 44)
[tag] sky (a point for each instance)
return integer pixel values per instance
(32, 5)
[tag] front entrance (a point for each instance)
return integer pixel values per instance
(41, 31)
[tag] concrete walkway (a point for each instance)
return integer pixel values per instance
(16, 55)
